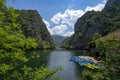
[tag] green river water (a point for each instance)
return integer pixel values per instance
(54, 58)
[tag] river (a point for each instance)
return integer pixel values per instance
(55, 58)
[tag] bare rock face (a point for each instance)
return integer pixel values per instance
(33, 26)
(111, 4)
(93, 22)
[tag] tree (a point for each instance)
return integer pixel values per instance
(109, 49)
(13, 44)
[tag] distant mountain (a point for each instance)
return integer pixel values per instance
(33, 26)
(93, 22)
(58, 39)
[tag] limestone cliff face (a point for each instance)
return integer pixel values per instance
(33, 26)
(86, 26)
(93, 22)
(111, 4)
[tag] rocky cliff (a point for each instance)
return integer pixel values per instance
(33, 26)
(111, 5)
(93, 22)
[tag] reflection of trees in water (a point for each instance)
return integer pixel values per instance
(38, 57)
(55, 58)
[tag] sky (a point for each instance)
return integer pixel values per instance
(59, 15)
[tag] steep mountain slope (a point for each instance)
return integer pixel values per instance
(58, 39)
(112, 4)
(92, 22)
(108, 53)
(33, 26)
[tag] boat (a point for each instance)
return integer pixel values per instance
(86, 61)
(91, 66)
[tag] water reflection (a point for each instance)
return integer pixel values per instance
(55, 58)
(38, 61)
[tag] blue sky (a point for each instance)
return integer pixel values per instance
(59, 15)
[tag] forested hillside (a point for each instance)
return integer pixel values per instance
(93, 22)
(108, 53)
(33, 26)
(58, 39)
(99, 31)
(13, 46)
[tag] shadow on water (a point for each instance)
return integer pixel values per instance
(38, 57)
(55, 58)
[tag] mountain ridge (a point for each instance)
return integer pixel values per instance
(33, 26)
(104, 22)
(58, 39)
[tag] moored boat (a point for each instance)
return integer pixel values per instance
(86, 61)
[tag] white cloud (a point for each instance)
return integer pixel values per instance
(68, 34)
(69, 17)
(98, 7)
(72, 16)
(48, 26)
(59, 29)
(64, 22)
(56, 18)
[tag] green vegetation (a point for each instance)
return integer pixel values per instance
(92, 26)
(108, 48)
(33, 26)
(13, 44)
(65, 44)
(58, 39)
(94, 37)
(93, 22)
(91, 75)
